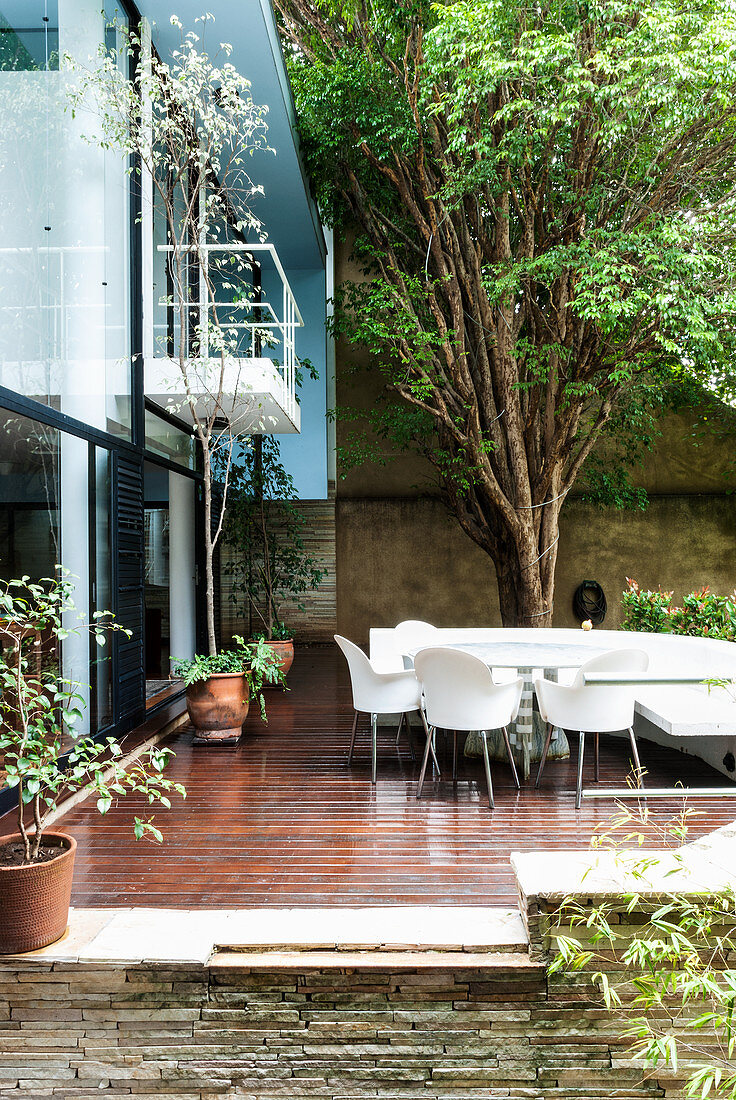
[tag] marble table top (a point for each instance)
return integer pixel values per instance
(524, 654)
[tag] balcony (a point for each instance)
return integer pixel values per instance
(254, 390)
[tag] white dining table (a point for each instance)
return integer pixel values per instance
(526, 658)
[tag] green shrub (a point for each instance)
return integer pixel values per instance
(702, 615)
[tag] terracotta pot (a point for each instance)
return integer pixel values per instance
(218, 707)
(285, 651)
(34, 900)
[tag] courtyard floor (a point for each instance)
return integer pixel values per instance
(283, 821)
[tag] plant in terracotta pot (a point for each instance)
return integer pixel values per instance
(220, 688)
(47, 759)
(280, 640)
(269, 566)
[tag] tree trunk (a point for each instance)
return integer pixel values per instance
(264, 533)
(525, 583)
(208, 561)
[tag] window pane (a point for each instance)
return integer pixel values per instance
(29, 498)
(64, 224)
(28, 41)
(102, 587)
(29, 514)
(164, 439)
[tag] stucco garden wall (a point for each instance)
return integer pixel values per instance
(407, 558)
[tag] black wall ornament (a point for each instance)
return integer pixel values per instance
(589, 602)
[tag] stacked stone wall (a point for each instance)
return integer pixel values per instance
(82, 1030)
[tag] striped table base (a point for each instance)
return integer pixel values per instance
(526, 734)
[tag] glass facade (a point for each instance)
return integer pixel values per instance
(89, 478)
(170, 442)
(64, 221)
(30, 516)
(103, 596)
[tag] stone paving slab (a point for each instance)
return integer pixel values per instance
(450, 928)
(113, 937)
(706, 865)
(369, 960)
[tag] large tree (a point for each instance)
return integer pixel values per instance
(543, 194)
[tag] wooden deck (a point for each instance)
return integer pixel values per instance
(282, 821)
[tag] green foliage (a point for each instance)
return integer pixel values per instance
(40, 709)
(543, 201)
(666, 974)
(280, 632)
(644, 75)
(265, 528)
(631, 433)
(702, 614)
(255, 660)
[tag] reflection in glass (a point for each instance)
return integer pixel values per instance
(102, 585)
(29, 515)
(156, 576)
(29, 498)
(29, 36)
(169, 442)
(64, 222)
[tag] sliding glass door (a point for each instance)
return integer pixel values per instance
(170, 580)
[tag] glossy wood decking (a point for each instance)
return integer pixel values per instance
(282, 820)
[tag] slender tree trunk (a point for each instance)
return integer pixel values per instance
(265, 539)
(18, 673)
(208, 559)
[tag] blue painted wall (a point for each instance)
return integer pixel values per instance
(305, 455)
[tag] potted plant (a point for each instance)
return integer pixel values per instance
(188, 126)
(269, 566)
(47, 759)
(219, 689)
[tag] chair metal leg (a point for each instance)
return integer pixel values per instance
(486, 761)
(511, 758)
(545, 750)
(581, 753)
(597, 757)
(352, 739)
(635, 754)
(431, 742)
(454, 754)
(434, 753)
(405, 724)
(374, 746)
(427, 748)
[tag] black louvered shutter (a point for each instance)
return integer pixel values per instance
(128, 654)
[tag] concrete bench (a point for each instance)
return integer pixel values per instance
(687, 712)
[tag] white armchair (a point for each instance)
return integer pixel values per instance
(377, 693)
(592, 708)
(459, 694)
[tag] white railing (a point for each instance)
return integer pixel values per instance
(268, 328)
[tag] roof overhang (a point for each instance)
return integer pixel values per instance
(287, 208)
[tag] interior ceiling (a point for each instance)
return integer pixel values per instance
(286, 208)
